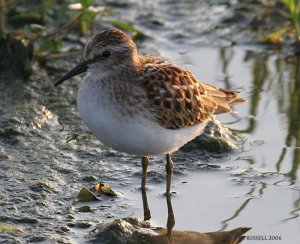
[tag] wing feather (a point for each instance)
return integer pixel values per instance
(178, 98)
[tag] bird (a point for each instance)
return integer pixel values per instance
(143, 105)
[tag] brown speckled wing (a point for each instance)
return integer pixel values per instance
(178, 99)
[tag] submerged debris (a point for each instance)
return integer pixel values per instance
(100, 188)
(93, 194)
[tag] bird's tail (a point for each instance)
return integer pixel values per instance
(223, 97)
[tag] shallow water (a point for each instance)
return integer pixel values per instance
(259, 187)
(47, 154)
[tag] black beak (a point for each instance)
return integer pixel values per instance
(80, 68)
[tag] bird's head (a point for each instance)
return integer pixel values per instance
(106, 51)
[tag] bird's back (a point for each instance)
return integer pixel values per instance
(178, 98)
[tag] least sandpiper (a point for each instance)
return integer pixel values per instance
(143, 105)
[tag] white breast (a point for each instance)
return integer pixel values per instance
(134, 135)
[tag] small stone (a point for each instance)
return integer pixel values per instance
(64, 228)
(90, 178)
(71, 225)
(84, 209)
(37, 239)
(83, 225)
(86, 196)
(27, 220)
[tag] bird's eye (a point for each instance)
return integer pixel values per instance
(106, 54)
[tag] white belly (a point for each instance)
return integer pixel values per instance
(133, 135)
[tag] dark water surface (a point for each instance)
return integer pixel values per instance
(47, 154)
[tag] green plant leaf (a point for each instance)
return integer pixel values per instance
(86, 3)
(277, 36)
(27, 31)
(294, 8)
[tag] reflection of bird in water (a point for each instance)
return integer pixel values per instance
(143, 105)
(131, 230)
(191, 237)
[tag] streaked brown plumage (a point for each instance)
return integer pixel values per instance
(178, 98)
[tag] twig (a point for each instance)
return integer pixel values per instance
(64, 26)
(2, 19)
